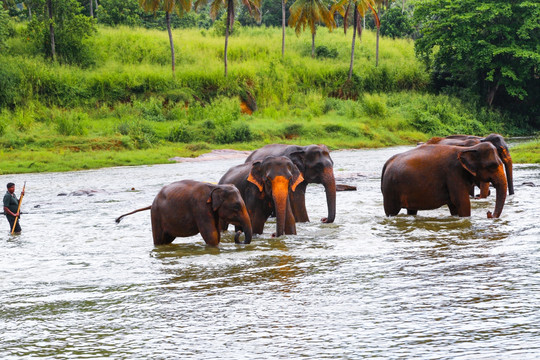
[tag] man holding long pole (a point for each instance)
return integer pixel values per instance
(12, 208)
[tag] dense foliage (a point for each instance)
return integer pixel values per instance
(484, 48)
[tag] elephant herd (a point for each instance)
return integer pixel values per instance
(274, 178)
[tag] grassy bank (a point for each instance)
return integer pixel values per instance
(126, 109)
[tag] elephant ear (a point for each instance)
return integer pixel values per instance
(298, 158)
(255, 175)
(297, 177)
(216, 198)
(469, 161)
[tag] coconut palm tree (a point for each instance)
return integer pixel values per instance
(253, 7)
(179, 6)
(360, 8)
(304, 13)
(283, 25)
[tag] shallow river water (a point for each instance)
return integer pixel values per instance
(75, 284)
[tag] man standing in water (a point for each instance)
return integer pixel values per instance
(11, 207)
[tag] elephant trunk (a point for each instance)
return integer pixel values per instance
(500, 184)
(280, 195)
(507, 160)
(329, 183)
(245, 223)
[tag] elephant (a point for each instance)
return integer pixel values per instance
(430, 176)
(266, 186)
(186, 208)
(316, 166)
(497, 141)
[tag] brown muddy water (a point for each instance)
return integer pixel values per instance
(76, 285)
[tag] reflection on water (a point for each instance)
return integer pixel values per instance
(75, 284)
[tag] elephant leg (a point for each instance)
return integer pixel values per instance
(223, 225)
(298, 205)
(484, 190)
(392, 205)
(453, 209)
(471, 191)
(162, 238)
(412, 212)
(461, 203)
(210, 234)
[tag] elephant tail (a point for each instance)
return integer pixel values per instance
(118, 219)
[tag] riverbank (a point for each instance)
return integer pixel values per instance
(28, 160)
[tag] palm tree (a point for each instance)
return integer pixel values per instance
(360, 9)
(283, 25)
(305, 13)
(51, 29)
(180, 6)
(253, 7)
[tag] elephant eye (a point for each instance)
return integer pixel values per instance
(237, 207)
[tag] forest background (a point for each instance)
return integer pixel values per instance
(87, 84)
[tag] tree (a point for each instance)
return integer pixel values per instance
(253, 6)
(61, 31)
(396, 23)
(360, 8)
(6, 28)
(180, 6)
(489, 46)
(306, 13)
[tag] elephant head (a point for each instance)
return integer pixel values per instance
(504, 153)
(317, 167)
(275, 177)
(227, 204)
(484, 164)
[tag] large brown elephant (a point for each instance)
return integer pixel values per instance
(497, 141)
(266, 186)
(316, 166)
(430, 176)
(186, 208)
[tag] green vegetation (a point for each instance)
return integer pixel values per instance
(113, 100)
(527, 153)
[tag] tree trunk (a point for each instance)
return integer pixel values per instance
(313, 44)
(91, 8)
(377, 48)
(491, 93)
(353, 42)
(51, 29)
(168, 19)
(283, 15)
(402, 6)
(29, 12)
(230, 14)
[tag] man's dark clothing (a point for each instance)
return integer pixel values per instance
(12, 203)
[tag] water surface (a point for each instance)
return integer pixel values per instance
(75, 284)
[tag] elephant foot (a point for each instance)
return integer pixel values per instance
(237, 238)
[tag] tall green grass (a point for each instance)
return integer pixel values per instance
(128, 108)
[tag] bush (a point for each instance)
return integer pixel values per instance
(151, 109)
(141, 135)
(12, 89)
(180, 134)
(236, 132)
(72, 124)
(6, 28)
(324, 52)
(374, 105)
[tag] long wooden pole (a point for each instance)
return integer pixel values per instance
(18, 209)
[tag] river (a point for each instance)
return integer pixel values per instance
(75, 284)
